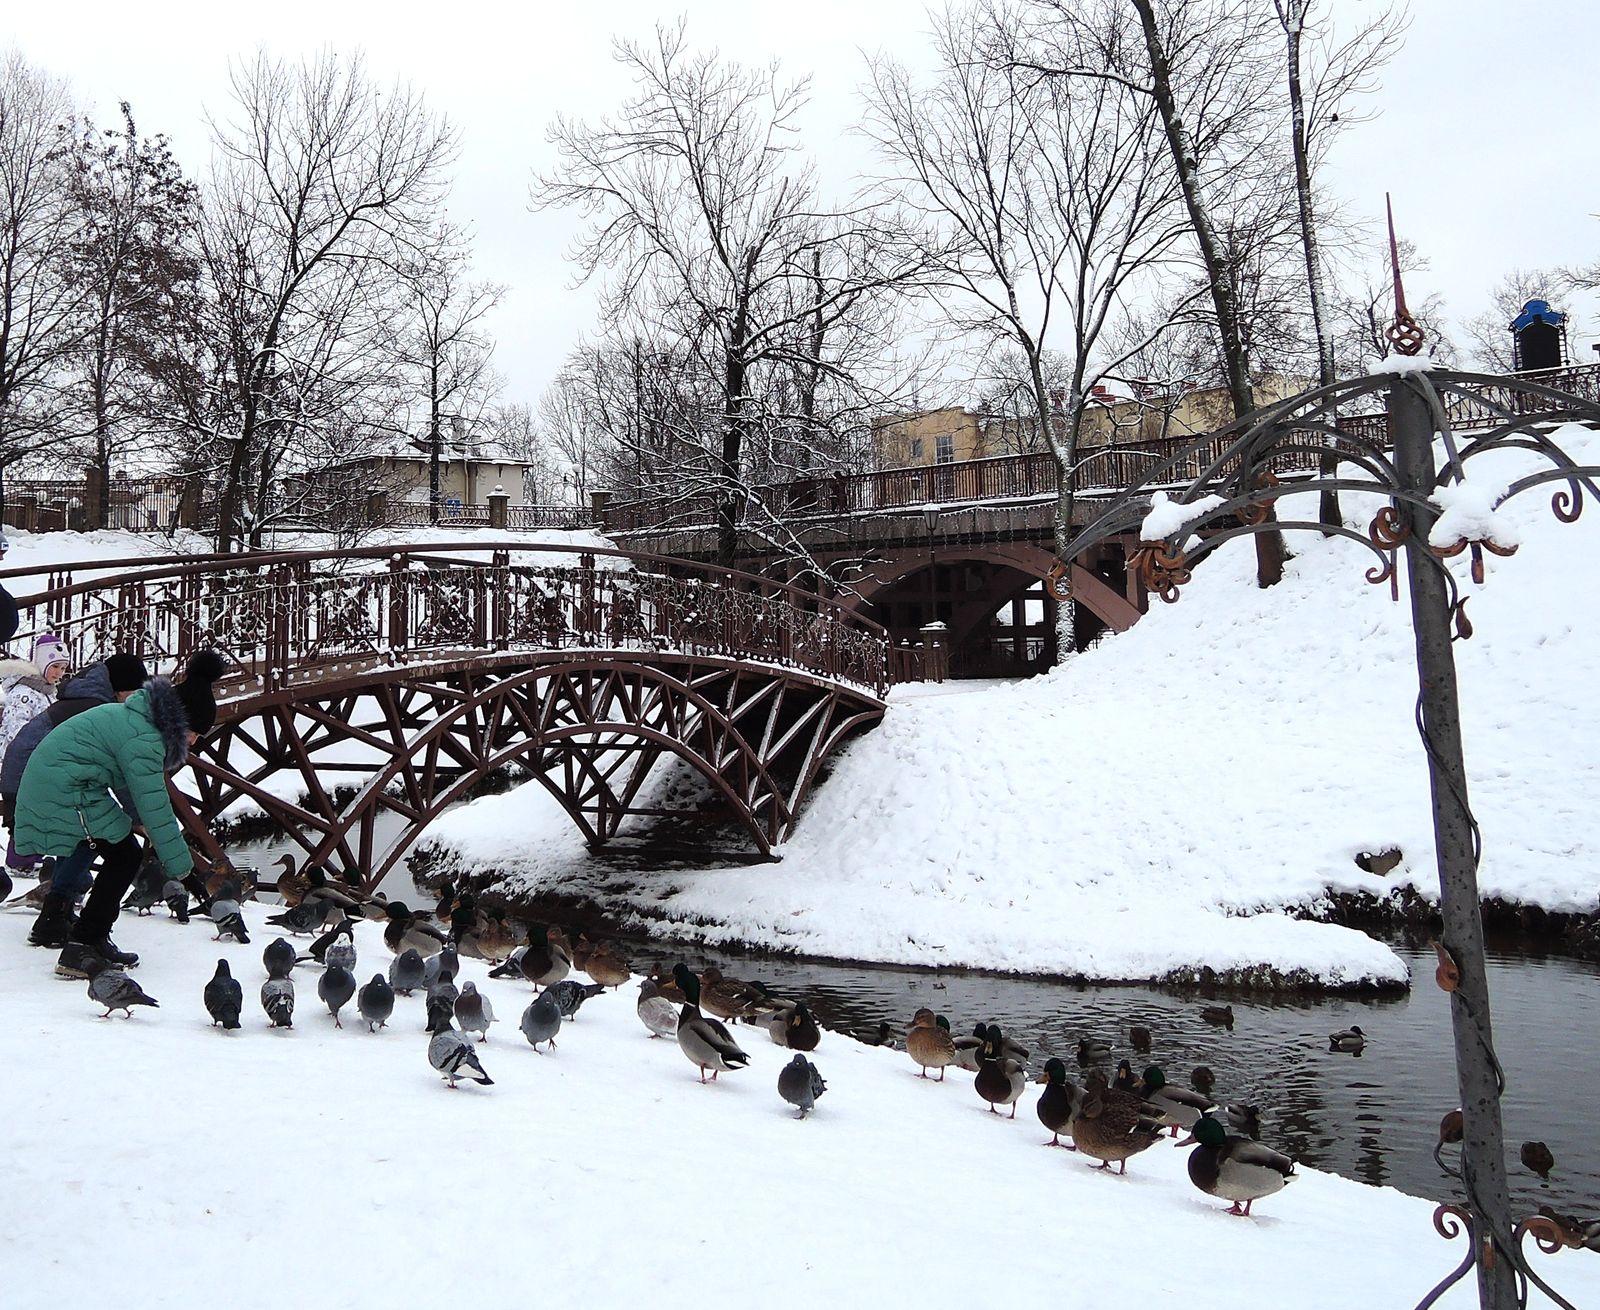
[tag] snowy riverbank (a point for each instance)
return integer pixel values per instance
(314, 1167)
(1154, 808)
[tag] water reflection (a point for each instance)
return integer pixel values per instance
(1373, 1115)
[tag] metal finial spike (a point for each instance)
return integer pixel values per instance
(1404, 334)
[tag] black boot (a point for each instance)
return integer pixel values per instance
(98, 943)
(54, 924)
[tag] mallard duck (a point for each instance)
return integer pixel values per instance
(1538, 1157)
(1219, 1015)
(883, 1035)
(494, 936)
(1351, 1039)
(1202, 1080)
(604, 963)
(1139, 1037)
(969, 1049)
(1058, 1103)
(733, 998)
(1235, 1168)
(655, 1011)
(928, 1044)
(706, 1042)
(1000, 1077)
(1109, 1126)
(1090, 1050)
(546, 959)
(292, 886)
(793, 1027)
(1179, 1107)
(406, 932)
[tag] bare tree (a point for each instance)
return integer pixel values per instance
(1364, 306)
(447, 345)
(39, 321)
(1049, 212)
(133, 261)
(717, 239)
(322, 191)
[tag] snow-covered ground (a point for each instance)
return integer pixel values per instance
(1151, 807)
(158, 1162)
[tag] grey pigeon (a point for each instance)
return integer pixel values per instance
(336, 987)
(800, 1084)
(319, 948)
(277, 999)
(454, 1057)
(224, 996)
(229, 922)
(511, 966)
(435, 966)
(655, 1011)
(541, 1021)
(306, 917)
(147, 886)
(406, 970)
(442, 993)
(376, 1002)
(113, 989)
(341, 955)
(176, 895)
(570, 994)
(473, 1011)
(279, 957)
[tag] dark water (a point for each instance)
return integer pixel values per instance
(1373, 1117)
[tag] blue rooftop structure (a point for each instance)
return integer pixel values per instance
(1538, 311)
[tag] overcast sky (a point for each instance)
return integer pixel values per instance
(1486, 134)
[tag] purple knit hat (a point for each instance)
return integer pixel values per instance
(48, 650)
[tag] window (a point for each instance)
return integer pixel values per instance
(916, 447)
(945, 448)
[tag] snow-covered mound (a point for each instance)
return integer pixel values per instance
(1147, 809)
(157, 1161)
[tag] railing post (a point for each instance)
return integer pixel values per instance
(935, 651)
(399, 606)
(498, 500)
(500, 563)
(587, 600)
(599, 506)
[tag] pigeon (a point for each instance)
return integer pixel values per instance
(336, 987)
(176, 895)
(306, 917)
(435, 965)
(511, 966)
(800, 1084)
(148, 886)
(655, 1011)
(405, 972)
(110, 987)
(473, 1011)
(376, 1002)
(571, 994)
(224, 996)
(541, 1021)
(442, 1001)
(319, 948)
(279, 957)
(454, 1057)
(229, 922)
(277, 999)
(341, 955)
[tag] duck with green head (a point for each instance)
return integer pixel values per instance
(1235, 1169)
(706, 1042)
(1059, 1103)
(1000, 1077)
(1179, 1106)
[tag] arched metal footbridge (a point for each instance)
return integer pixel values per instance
(383, 681)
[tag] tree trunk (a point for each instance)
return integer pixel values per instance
(1293, 15)
(434, 438)
(1224, 299)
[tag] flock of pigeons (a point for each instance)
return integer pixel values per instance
(426, 959)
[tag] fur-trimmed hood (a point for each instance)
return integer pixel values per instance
(166, 714)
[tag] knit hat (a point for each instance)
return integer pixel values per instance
(48, 650)
(128, 672)
(203, 669)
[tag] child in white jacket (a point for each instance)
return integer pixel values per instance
(28, 694)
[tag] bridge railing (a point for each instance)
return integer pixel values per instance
(1020, 477)
(282, 614)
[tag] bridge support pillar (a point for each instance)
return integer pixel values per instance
(935, 651)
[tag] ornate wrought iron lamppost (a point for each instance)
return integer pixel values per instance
(1231, 498)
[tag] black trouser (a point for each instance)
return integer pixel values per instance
(120, 861)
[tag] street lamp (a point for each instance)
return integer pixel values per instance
(1233, 497)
